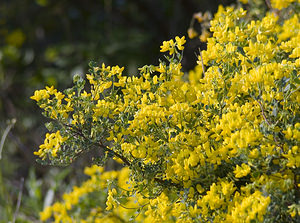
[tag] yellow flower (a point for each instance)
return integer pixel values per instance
(251, 207)
(180, 42)
(51, 145)
(40, 94)
(110, 203)
(204, 35)
(192, 33)
(93, 170)
(241, 171)
(280, 4)
(46, 214)
(85, 94)
(227, 187)
(51, 90)
(168, 46)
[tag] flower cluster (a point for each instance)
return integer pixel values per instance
(79, 205)
(170, 45)
(51, 145)
(280, 4)
(220, 144)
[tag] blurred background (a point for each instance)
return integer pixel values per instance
(46, 42)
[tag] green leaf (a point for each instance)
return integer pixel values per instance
(293, 86)
(256, 59)
(297, 80)
(49, 126)
(92, 64)
(294, 73)
(76, 78)
(241, 51)
(239, 62)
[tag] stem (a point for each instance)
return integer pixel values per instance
(202, 63)
(127, 163)
(268, 4)
(127, 207)
(6, 131)
(269, 123)
(123, 158)
(263, 113)
(19, 200)
(297, 191)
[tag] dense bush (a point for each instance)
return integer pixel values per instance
(218, 145)
(46, 42)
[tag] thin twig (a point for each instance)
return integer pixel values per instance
(79, 133)
(263, 113)
(123, 158)
(269, 123)
(202, 63)
(126, 207)
(127, 163)
(19, 200)
(141, 208)
(268, 4)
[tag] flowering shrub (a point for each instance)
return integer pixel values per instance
(221, 145)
